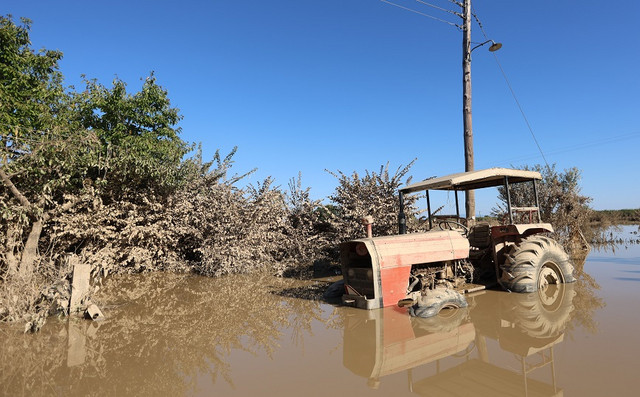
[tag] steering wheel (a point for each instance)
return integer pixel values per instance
(451, 225)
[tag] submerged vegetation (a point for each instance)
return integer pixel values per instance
(101, 176)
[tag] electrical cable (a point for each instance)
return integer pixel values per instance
(585, 145)
(521, 110)
(439, 8)
(506, 79)
(421, 13)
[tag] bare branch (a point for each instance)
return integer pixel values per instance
(14, 190)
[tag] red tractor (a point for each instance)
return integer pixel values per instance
(432, 270)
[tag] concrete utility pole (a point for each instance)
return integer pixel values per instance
(470, 200)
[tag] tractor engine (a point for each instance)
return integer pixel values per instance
(381, 271)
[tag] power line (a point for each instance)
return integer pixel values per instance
(421, 13)
(565, 149)
(475, 16)
(506, 79)
(521, 110)
(439, 8)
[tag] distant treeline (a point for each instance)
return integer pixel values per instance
(625, 216)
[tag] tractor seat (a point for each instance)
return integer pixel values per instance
(480, 236)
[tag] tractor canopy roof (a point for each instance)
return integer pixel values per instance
(473, 180)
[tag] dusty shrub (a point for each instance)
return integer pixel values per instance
(210, 227)
(32, 300)
(311, 236)
(229, 230)
(375, 194)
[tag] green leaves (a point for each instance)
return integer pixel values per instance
(139, 134)
(30, 83)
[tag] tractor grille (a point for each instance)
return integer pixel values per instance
(361, 279)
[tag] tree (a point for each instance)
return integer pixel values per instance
(139, 134)
(30, 83)
(60, 146)
(561, 203)
(40, 148)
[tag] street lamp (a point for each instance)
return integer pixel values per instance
(494, 46)
(470, 201)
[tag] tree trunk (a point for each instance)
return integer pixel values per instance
(10, 257)
(30, 252)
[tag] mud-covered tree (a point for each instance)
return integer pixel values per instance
(65, 155)
(561, 203)
(44, 155)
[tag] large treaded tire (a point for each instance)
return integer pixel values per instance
(430, 304)
(534, 263)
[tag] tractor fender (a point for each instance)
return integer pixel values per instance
(522, 230)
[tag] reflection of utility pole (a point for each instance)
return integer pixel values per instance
(470, 201)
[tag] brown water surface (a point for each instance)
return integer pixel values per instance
(262, 336)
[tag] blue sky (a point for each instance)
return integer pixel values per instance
(304, 86)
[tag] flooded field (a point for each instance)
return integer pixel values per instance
(262, 336)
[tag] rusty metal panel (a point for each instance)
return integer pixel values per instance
(394, 283)
(411, 249)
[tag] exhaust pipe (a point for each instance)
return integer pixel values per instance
(368, 222)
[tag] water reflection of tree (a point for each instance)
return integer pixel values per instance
(27, 361)
(603, 237)
(162, 332)
(606, 236)
(586, 301)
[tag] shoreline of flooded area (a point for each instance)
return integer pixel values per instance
(261, 335)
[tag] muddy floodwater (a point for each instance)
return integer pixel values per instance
(263, 336)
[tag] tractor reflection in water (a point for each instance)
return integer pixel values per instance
(452, 350)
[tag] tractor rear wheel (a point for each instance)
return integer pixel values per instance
(534, 263)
